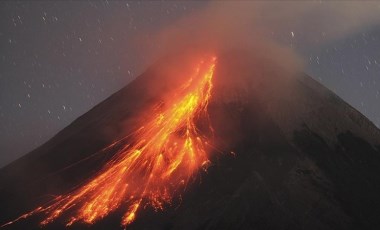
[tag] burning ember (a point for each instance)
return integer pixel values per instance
(164, 155)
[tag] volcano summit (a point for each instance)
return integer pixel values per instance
(204, 141)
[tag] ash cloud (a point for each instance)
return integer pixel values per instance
(331, 19)
(250, 25)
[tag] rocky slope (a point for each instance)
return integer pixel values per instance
(304, 159)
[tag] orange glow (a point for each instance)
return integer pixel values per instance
(164, 155)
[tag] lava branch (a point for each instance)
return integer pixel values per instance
(167, 151)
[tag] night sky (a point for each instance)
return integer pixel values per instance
(59, 59)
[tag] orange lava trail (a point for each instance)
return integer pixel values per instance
(167, 151)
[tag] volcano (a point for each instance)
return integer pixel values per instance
(271, 149)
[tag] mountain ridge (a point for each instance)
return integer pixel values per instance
(298, 148)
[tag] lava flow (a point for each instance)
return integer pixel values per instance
(150, 170)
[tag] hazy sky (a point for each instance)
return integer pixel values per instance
(59, 59)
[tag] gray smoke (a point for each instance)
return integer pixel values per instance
(249, 25)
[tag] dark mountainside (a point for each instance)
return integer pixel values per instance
(304, 158)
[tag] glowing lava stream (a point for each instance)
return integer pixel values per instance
(165, 154)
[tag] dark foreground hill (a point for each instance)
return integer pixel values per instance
(304, 159)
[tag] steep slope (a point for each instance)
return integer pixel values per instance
(303, 158)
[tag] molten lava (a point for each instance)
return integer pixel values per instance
(162, 157)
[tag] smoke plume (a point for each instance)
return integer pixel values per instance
(257, 26)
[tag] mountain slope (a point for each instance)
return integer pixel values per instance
(304, 159)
